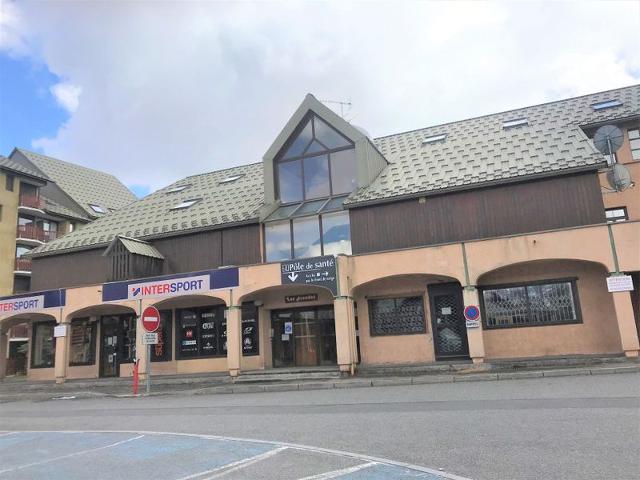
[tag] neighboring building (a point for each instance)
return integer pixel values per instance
(42, 199)
(509, 213)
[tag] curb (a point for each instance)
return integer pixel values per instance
(340, 384)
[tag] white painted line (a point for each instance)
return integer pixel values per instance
(233, 466)
(341, 472)
(74, 454)
(5, 434)
(293, 446)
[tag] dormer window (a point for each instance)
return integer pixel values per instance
(97, 208)
(606, 104)
(186, 204)
(177, 188)
(318, 162)
(434, 139)
(518, 122)
(231, 179)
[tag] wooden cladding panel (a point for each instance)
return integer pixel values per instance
(538, 205)
(188, 253)
(72, 270)
(241, 245)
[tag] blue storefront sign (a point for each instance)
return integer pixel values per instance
(171, 285)
(28, 302)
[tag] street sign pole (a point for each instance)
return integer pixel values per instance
(150, 320)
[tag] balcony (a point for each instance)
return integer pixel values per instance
(22, 265)
(31, 232)
(31, 201)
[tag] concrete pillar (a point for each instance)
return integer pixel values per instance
(234, 339)
(4, 351)
(62, 354)
(626, 324)
(471, 296)
(345, 334)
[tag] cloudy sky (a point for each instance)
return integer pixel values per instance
(155, 91)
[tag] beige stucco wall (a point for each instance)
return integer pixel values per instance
(598, 334)
(394, 349)
(9, 202)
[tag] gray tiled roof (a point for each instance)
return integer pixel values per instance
(152, 216)
(479, 150)
(475, 151)
(56, 208)
(85, 185)
(8, 164)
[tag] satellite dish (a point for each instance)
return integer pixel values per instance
(608, 139)
(619, 177)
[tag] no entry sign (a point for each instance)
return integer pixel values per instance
(151, 319)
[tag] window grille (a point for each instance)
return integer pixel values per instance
(396, 316)
(534, 304)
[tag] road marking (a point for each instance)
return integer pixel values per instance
(4, 434)
(233, 466)
(293, 446)
(341, 472)
(74, 454)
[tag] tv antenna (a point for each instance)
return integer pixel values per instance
(608, 139)
(342, 105)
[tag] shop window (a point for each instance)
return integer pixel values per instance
(531, 304)
(201, 332)
(43, 348)
(128, 339)
(396, 316)
(161, 352)
(82, 341)
(250, 330)
(634, 142)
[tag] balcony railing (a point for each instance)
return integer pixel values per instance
(23, 264)
(32, 232)
(31, 201)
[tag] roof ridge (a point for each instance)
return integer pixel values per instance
(20, 149)
(566, 99)
(216, 171)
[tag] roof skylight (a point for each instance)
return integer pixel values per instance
(434, 139)
(186, 203)
(516, 122)
(232, 178)
(606, 104)
(97, 208)
(177, 188)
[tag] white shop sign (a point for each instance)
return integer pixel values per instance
(60, 331)
(169, 288)
(150, 338)
(620, 283)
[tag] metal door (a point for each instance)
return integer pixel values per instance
(109, 347)
(447, 318)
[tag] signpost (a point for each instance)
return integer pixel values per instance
(151, 323)
(472, 316)
(315, 272)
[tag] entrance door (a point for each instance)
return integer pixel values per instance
(304, 337)
(449, 326)
(109, 347)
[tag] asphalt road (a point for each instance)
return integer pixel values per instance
(583, 427)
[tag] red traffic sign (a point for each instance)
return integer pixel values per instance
(151, 319)
(471, 312)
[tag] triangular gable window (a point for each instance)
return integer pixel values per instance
(316, 136)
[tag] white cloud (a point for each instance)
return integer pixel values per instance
(175, 88)
(67, 95)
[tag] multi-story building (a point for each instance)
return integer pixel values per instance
(489, 238)
(42, 199)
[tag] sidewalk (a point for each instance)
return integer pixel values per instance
(313, 379)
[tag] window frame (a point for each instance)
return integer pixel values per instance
(420, 295)
(34, 327)
(328, 151)
(10, 182)
(97, 208)
(574, 293)
(290, 219)
(631, 149)
(92, 350)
